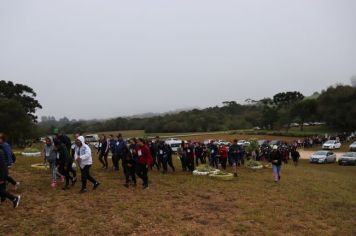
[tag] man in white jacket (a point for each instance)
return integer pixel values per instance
(84, 159)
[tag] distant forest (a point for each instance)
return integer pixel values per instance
(336, 106)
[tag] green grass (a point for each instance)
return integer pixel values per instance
(310, 200)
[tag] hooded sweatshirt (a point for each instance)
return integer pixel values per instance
(83, 154)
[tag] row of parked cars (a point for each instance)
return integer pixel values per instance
(324, 156)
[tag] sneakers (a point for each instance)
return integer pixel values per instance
(235, 175)
(96, 185)
(65, 188)
(53, 184)
(16, 202)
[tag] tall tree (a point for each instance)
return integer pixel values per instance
(23, 94)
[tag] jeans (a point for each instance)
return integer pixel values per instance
(276, 171)
(86, 176)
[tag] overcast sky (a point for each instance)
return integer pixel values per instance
(101, 59)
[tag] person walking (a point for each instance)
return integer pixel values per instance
(65, 163)
(276, 159)
(295, 156)
(143, 162)
(84, 158)
(3, 181)
(103, 151)
(234, 154)
(50, 156)
(128, 164)
(214, 155)
(223, 154)
(9, 160)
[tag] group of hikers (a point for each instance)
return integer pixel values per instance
(137, 157)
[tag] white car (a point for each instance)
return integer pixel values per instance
(174, 143)
(353, 146)
(323, 157)
(243, 143)
(332, 144)
(223, 142)
(348, 158)
(92, 140)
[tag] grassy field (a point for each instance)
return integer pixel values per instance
(310, 200)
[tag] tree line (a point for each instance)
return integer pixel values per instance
(335, 105)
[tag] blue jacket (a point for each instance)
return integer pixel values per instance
(8, 154)
(120, 147)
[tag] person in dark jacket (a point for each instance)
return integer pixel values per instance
(112, 147)
(234, 155)
(190, 156)
(182, 153)
(276, 159)
(169, 152)
(120, 149)
(62, 138)
(295, 156)
(65, 163)
(214, 155)
(103, 151)
(9, 159)
(199, 154)
(128, 164)
(3, 180)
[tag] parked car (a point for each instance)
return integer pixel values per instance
(174, 143)
(275, 143)
(332, 144)
(353, 146)
(262, 142)
(243, 143)
(223, 142)
(323, 157)
(92, 140)
(348, 158)
(294, 125)
(208, 141)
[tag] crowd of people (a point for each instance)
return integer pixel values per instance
(136, 157)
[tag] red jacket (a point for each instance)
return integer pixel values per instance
(224, 153)
(144, 156)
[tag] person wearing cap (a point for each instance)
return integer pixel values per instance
(276, 159)
(65, 163)
(62, 138)
(84, 158)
